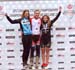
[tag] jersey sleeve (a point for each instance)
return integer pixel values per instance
(13, 21)
(57, 16)
(30, 20)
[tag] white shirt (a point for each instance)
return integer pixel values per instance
(36, 23)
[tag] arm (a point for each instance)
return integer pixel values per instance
(52, 21)
(12, 21)
(41, 27)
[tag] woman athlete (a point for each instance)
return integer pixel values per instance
(46, 38)
(25, 25)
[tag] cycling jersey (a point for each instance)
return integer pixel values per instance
(26, 36)
(36, 23)
(24, 24)
(46, 32)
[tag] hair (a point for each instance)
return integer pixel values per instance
(49, 22)
(36, 10)
(24, 13)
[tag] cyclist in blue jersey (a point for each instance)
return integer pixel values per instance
(25, 25)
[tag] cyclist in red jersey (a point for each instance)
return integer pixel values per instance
(36, 23)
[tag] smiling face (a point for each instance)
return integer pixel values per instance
(26, 14)
(45, 19)
(36, 14)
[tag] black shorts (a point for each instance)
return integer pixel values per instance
(35, 38)
(45, 41)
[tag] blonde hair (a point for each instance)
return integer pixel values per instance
(37, 10)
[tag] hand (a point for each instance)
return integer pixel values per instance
(60, 8)
(5, 14)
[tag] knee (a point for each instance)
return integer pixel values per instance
(43, 51)
(47, 51)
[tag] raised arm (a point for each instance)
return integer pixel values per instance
(57, 16)
(12, 21)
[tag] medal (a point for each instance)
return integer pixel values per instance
(45, 28)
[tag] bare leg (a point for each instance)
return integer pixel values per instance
(47, 55)
(43, 54)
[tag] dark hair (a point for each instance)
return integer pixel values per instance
(49, 22)
(24, 13)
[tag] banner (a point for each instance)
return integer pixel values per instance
(62, 52)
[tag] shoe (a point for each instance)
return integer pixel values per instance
(36, 67)
(47, 67)
(25, 67)
(33, 67)
(44, 65)
(39, 67)
(25, 63)
(30, 66)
